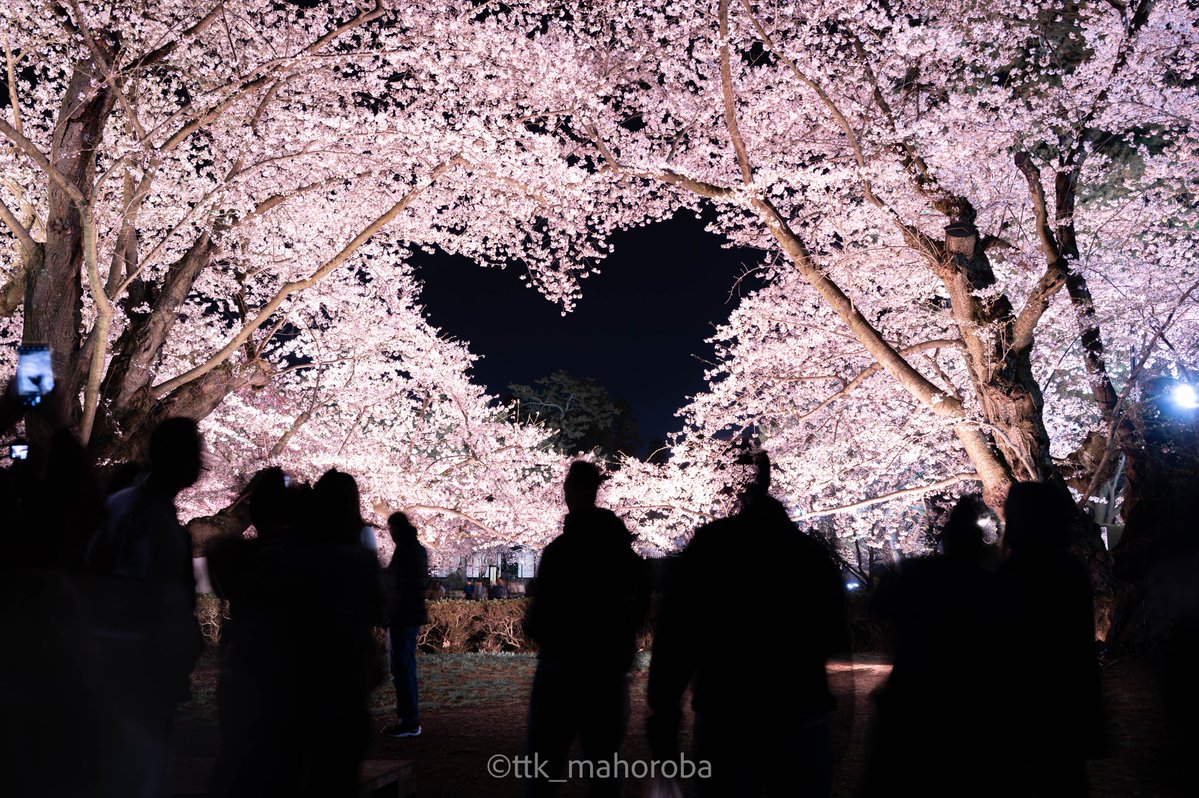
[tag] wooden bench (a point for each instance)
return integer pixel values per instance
(377, 778)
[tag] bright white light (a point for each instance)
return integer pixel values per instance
(1185, 396)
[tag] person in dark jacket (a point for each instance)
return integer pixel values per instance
(255, 691)
(761, 720)
(407, 578)
(1054, 677)
(587, 639)
(148, 632)
(939, 725)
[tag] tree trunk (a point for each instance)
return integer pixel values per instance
(53, 308)
(127, 437)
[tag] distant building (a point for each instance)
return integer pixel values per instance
(506, 562)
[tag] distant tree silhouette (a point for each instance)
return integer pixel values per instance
(580, 410)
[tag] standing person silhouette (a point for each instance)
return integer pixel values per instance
(1054, 677)
(337, 497)
(150, 640)
(49, 661)
(406, 578)
(761, 721)
(334, 594)
(587, 640)
(939, 724)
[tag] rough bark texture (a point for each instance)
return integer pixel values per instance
(135, 352)
(1000, 367)
(55, 289)
(126, 436)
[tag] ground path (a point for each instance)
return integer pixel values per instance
(474, 710)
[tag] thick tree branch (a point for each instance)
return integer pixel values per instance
(919, 386)
(874, 368)
(281, 296)
(888, 497)
(435, 508)
(996, 475)
(18, 229)
(12, 294)
(14, 101)
(140, 345)
(730, 100)
(911, 234)
(109, 73)
(99, 335)
(300, 420)
(913, 162)
(631, 508)
(38, 157)
(158, 54)
(1057, 266)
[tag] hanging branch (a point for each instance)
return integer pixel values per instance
(888, 497)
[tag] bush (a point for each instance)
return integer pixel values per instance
(211, 611)
(457, 626)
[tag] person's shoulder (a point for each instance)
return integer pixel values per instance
(606, 515)
(123, 499)
(721, 531)
(555, 547)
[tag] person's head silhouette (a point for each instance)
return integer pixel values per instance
(962, 537)
(582, 485)
(752, 476)
(1037, 517)
(268, 502)
(401, 529)
(338, 506)
(176, 455)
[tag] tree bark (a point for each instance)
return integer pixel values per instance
(1000, 368)
(139, 346)
(53, 308)
(126, 437)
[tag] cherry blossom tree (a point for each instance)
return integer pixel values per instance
(209, 207)
(182, 180)
(978, 215)
(979, 225)
(392, 405)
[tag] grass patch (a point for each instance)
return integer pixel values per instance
(464, 680)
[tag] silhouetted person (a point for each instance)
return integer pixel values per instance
(587, 639)
(58, 722)
(498, 590)
(148, 633)
(340, 509)
(941, 721)
(407, 575)
(249, 699)
(327, 596)
(761, 720)
(1054, 672)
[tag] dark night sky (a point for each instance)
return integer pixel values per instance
(636, 330)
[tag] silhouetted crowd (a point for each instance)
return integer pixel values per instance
(994, 689)
(101, 634)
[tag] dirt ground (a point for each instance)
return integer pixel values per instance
(468, 722)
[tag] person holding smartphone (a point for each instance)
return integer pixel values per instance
(51, 503)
